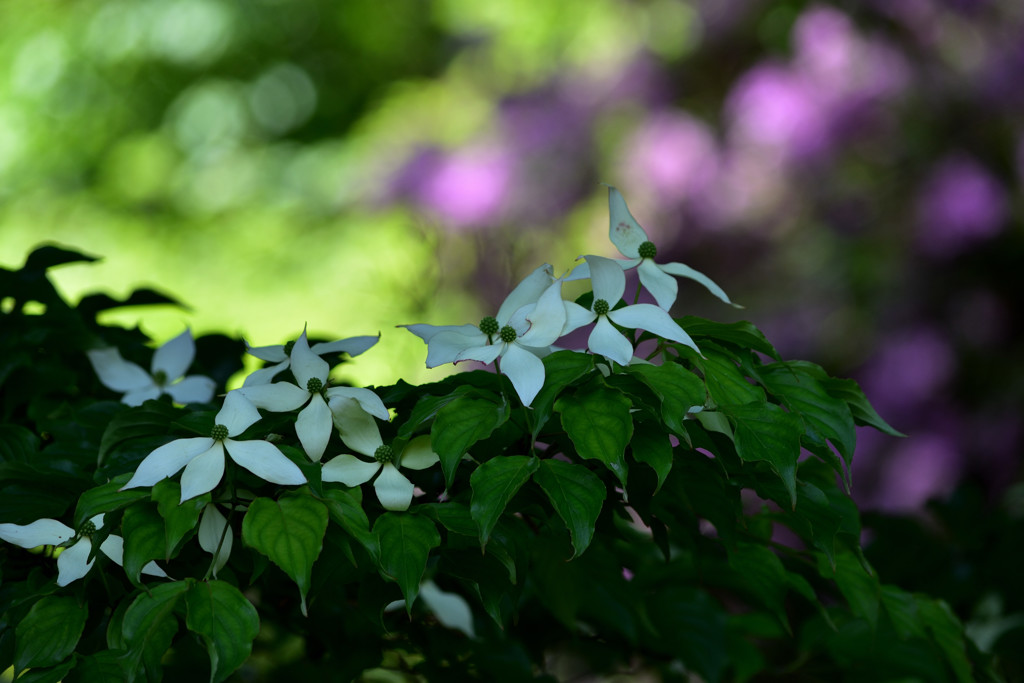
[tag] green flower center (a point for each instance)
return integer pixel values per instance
(383, 454)
(489, 326)
(508, 334)
(648, 250)
(160, 378)
(601, 307)
(314, 385)
(219, 433)
(288, 348)
(87, 529)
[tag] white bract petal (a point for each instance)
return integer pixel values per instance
(418, 454)
(526, 292)
(353, 346)
(367, 400)
(606, 341)
(525, 370)
(271, 354)
(203, 472)
(237, 413)
(546, 319)
(394, 490)
(73, 563)
(279, 397)
(623, 230)
(484, 354)
(193, 389)
(357, 428)
(607, 279)
(306, 365)
(265, 375)
(215, 537)
(686, 271)
(451, 609)
(113, 547)
(313, 427)
(446, 346)
(136, 397)
(37, 533)
(576, 317)
(349, 470)
(653, 319)
(175, 357)
(263, 459)
(115, 372)
(166, 460)
(662, 286)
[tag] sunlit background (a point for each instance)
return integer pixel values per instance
(849, 171)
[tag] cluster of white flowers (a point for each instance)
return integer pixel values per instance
(534, 315)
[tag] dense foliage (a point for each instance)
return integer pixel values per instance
(685, 513)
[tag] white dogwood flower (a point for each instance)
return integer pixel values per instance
(215, 536)
(73, 563)
(359, 432)
(166, 376)
(609, 283)
(203, 457)
(529, 320)
(313, 426)
(632, 242)
(280, 355)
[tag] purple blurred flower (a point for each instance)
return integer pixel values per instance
(673, 154)
(924, 466)
(960, 204)
(909, 370)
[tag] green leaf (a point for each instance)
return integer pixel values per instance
(901, 607)
(762, 576)
(148, 425)
(290, 532)
(54, 675)
(347, 513)
(180, 520)
(494, 483)
(150, 625)
(689, 624)
(948, 633)
(678, 388)
(860, 588)
(144, 538)
(863, 412)
(17, 444)
(824, 416)
(107, 498)
(459, 425)
(406, 540)
(227, 623)
(725, 383)
(742, 334)
(764, 431)
(651, 445)
(561, 369)
(105, 666)
(577, 495)
(49, 632)
(599, 423)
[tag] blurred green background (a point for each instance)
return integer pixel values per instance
(850, 172)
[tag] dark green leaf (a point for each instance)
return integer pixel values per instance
(678, 388)
(405, 540)
(347, 513)
(689, 625)
(651, 445)
(107, 498)
(150, 625)
(863, 412)
(561, 369)
(764, 431)
(742, 334)
(725, 383)
(17, 444)
(180, 519)
(494, 483)
(226, 622)
(105, 666)
(290, 532)
(144, 538)
(54, 675)
(860, 588)
(147, 425)
(901, 607)
(577, 495)
(459, 425)
(598, 421)
(49, 632)
(948, 633)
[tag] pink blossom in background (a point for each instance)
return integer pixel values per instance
(960, 205)
(922, 467)
(672, 154)
(908, 371)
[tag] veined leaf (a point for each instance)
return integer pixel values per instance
(577, 495)
(764, 431)
(459, 425)
(225, 620)
(678, 388)
(494, 483)
(406, 540)
(49, 632)
(150, 625)
(598, 421)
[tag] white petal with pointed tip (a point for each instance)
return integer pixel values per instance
(526, 292)
(167, 460)
(193, 389)
(394, 490)
(662, 286)
(353, 346)
(73, 563)
(576, 316)
(203, 472)
(607, 279)
(265, 375)
(606, 341)
(546, 319)
(427, 332)
(115, 372)
(113, 547)
(525, 370)
(237, 413)
(271, 354)
(623, 230)
(367, 400)
(37, 533)
(683, 270)
(279, 397)
(175, 357)
(417, 454)
(483, 354)
(446, 346)
(349, 470)
(212, 536)
(306, 365)
(451, 609)
(264, 460)
(313, 427)
(653, 319)
(357, 429)
(136, 397)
